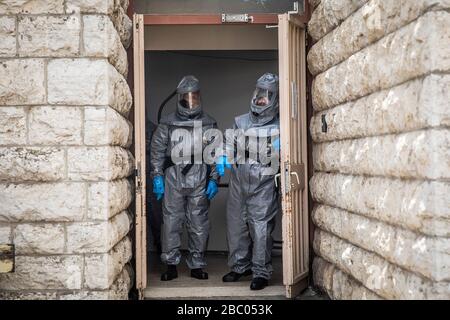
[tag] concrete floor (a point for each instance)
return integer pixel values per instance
(185, 287)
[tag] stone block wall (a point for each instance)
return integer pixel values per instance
(64, 139)
(381, 181)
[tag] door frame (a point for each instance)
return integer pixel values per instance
(139, 23)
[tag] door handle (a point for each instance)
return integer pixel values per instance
(276, 179)
(298, 171)
(296, 176)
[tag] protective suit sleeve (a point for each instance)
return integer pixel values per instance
(160, 143)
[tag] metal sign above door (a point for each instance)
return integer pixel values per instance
(298, 8)
(236, 18)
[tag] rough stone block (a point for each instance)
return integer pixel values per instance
(101, 39)
(421, 154)
(337, 284)
(124, 4)
(421, 206)
(370, 23)
(421, 46)
(23, 202)
(32, 6)
(102, 270)
(87, 82)
(39, 239)
(415, 105)
(5, 234)
(118, 291)
(32, 164)
(106, 199)
(25, 295)
(329, 14)
(7, 36)
(22, 82)
(385, 279)
(92, 6)
(105, 126)
(97, 237)
(55, 126)
(124, 26)
(428, 256)
(13, 126)
(36, 273)
(100, 163)
(55, 36)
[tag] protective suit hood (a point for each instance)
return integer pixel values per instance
(188, 109)
(264, 106)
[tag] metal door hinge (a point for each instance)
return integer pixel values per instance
(138, 175)
(7, 258)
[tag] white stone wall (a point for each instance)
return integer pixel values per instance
(381, 184)
(64, 139)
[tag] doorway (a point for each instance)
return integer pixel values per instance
(226, 93)
(161, 57)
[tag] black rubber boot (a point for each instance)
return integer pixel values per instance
(259, 284)
(199, 274)
(170, 274)
(234, 276)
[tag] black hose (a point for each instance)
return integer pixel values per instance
(163, 104)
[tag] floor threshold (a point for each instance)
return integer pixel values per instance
(202, 292)
(185, 287)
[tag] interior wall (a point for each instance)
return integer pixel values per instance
(212, 37)
(227, 79)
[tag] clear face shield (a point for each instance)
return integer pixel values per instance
(262, 98)
(190, 100)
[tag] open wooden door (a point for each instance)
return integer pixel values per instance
(139, 142)
(294, 158)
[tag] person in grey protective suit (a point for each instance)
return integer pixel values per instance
(253, 197)
(185, 186)
(154, 209)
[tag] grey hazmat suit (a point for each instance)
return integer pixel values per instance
(184, 199)
(154, 210)
(253, 200)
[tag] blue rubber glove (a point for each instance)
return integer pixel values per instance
(212, 189)
(276, 144)
(221, 164)
(158, 187)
